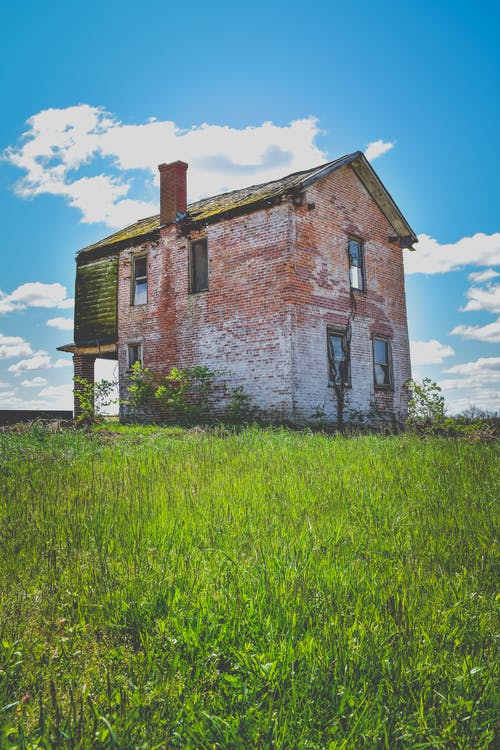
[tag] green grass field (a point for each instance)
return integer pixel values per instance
(267, 589)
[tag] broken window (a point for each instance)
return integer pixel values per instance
(381, 362)
(356, 266)
(140, 281)
(199, 266)
(338, 358)
(134, 354)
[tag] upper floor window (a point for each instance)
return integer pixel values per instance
(382, 362)
(356, 265)
(140, 280)
(199, 266)
(338, 358)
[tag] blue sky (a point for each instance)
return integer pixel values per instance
(96, 94)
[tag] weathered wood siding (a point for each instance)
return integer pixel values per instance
(96, 301)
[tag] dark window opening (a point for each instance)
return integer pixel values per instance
(381, 362)
(356, 265)
(140, 281)
(338, 358)
(199, 266)
(134, 354)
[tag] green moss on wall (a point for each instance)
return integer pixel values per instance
(96, 301)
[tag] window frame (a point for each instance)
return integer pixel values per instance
(387, 363)
(360, 266)
(192, 278)
(340, 333)
(135, 279)
(135, 345)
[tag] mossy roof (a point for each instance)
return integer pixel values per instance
(240, 201)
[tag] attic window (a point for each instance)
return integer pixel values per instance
(140, 281)
(356, 265)
(199, 266)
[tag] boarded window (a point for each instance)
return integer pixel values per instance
(356, 265)
(199, 266)
(381, 362)
(338, 358)
(134, 354)
(140, 281)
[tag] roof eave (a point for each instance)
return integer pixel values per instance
(372, 182)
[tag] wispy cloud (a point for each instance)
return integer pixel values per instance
(35, 383)
(63, 363)
(485, 369)
(473, 383)
(377, 148)
(483, 298)
(431, 257)
(489, 333)
(13, 346)
(97, 164)
(63, 324)
(429, 352)
(39, 361)
(35, 294)
(60, 393)
(479, 277)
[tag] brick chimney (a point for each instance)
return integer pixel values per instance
(173, 191)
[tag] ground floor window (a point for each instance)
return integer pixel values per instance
(134, 354)
(338, 357)
(382, 361)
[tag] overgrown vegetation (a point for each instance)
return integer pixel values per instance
(163, 588)
(427, 415)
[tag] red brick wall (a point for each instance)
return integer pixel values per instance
(322, 298)
(240, 326)
(277, 279)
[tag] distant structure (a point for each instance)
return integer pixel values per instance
(293, 288)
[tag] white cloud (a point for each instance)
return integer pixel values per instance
(63, 363)
(482, 368)
(35, 294)
(483, 298)
(430, 257)
(39, 361)
(10, 401)
(13, 346)
(478, 277)
(60, 395)
(34, 383)
(4, 385)
(474, 383)
(63, 324)
(377, 148)
(489, 333)
(59, 142)
(429, 352)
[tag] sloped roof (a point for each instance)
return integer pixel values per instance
(251, 198)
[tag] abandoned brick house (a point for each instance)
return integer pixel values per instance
(294, 289)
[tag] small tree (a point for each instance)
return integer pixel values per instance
(92, 398)
(426, 407)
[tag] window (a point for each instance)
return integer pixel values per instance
(134, 354)
(356, 270)
(381, 362)
(199, 266)
(338, 358)
(140, 281)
